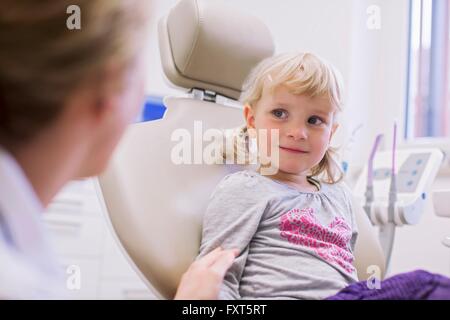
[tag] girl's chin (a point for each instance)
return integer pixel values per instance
(292, 170)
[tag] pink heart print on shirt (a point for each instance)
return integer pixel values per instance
(331, 242)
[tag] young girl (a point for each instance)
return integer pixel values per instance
(295, 229)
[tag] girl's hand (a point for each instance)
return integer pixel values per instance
(204, 277)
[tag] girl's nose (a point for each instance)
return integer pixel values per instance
(297, 133)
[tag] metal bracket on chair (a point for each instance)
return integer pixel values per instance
(211, 96)
(204, 95)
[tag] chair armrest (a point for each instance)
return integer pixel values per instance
(367, 249)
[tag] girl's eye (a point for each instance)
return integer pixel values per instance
(315, 120)
(280, 113)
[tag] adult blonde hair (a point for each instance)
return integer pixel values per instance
(302, 74)
(42, 61)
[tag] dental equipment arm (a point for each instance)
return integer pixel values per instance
(441, 209)
(408, 187)
(368, 252)
(369, 188)
(387, 232)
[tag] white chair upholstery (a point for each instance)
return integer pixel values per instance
(209, 45)
(154, 205)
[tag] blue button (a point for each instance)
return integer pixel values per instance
(345, 166)
(410, 183)
(414, 172)
(419, 162)
(424, 195)
(153, 109)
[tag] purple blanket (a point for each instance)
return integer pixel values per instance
(415, 285)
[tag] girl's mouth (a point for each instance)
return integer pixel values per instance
(292, 150)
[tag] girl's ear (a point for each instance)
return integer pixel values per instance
(249, 117)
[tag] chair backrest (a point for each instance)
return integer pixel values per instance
(155, 205)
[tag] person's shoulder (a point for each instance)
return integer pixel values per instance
(343, 185)
(243, 179)
(340, 188)
(242, 175)
(342, 194)
(242, 183)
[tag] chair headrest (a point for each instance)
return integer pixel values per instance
(211, 46)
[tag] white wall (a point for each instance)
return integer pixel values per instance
(378, 66)
(321, 26)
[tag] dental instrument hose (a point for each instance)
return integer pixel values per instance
(369, 194)
(387, 232)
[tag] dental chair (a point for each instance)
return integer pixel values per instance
(155, 206)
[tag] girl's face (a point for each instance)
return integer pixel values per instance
(305, 127)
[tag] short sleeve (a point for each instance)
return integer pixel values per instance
(348, 196)
(231, 220)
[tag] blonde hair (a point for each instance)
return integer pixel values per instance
(42, 62)
(301, 74)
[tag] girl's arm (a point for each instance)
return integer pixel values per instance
(231, 220)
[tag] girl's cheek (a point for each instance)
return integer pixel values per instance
(263, 124)
(324, 141)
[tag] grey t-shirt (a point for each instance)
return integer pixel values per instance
(294, 245)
